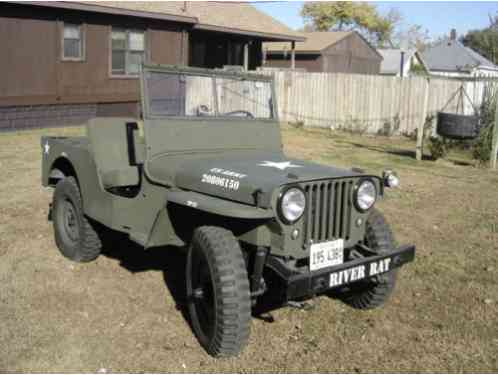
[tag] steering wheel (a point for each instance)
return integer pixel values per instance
(239, 112)
(204, 110)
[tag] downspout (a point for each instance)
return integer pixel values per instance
(402, 64)
(246, 56)
(293, 55)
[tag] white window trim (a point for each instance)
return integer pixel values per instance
(82, 27)
(146, 51)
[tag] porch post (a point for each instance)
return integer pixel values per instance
(494, 143)
(293, 55)
(246, 56)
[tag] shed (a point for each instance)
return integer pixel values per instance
(333, 52)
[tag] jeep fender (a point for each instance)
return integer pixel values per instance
(218, 206)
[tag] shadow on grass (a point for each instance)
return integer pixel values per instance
(134, 258)
(411, 154)
(171, 261)
(462, 163)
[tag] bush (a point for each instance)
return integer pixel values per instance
(438, 148)
(481, 148)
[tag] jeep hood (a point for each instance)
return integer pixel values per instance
(240, 176)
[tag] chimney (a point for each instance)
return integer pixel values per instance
(453, 34)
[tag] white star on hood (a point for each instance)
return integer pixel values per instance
(46, 148)
(279, 165)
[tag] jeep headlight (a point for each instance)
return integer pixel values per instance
(365, 195)
(292, 204)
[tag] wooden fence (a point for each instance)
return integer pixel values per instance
(369, 103)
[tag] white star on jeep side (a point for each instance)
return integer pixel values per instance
(282, 165)
(46, 148)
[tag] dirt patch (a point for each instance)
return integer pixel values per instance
(123, 311)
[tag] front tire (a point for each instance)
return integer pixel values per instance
(75, 236)
(375, 291)
(218, 295)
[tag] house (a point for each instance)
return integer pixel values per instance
(65, 62)
(451, 58)
(400, 63)
(333, 52)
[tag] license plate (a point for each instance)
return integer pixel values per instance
(326, 254)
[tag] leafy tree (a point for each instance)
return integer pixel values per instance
(308, 28)
(484, 41)
(344, 16)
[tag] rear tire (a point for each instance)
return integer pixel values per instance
(219, 300)
(75, 236)
(375, 291)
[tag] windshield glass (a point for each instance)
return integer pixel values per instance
(190, 95)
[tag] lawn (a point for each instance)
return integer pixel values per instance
(121, 312)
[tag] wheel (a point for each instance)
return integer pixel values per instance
(373, 292)
(456, 126)
(76, 238)
(219, 300)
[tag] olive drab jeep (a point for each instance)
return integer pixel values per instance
(204, 169)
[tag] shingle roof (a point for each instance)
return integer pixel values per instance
(315, 42)
(451, 55)
(236, 17)
(392, 60)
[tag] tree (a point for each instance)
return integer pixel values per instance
(344, 16)
(411, 37)
(484, 41)
(308, 28)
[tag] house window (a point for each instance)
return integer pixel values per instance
(128, 52)
(72, 42)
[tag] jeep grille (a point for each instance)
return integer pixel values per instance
(328, 210)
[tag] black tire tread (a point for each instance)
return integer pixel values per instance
(232, 292)
(90, 245)
(380, 238)
(457, 126)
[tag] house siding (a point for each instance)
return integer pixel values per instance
(474, 73)
(33, 76)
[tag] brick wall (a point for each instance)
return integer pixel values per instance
(47, 116)
(44, 116)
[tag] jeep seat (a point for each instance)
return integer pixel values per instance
(109, 145)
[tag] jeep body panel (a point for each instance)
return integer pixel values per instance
(230, 168)
(240, 176)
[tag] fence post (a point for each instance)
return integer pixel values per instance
(420, 132)
(494, 146)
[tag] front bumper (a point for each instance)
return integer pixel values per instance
(303, 284)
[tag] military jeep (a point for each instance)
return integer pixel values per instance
(203, 169)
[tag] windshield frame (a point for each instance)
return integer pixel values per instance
(211, 73)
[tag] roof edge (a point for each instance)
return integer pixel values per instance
(420, 58)
(275, 37)
(304, 38)
(367, 42)
(108, 10)
(81, 6)
(347, 34)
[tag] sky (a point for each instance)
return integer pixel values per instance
(437, 17)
